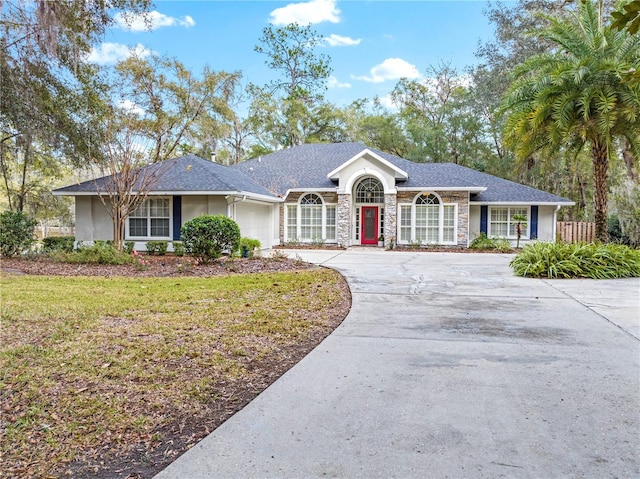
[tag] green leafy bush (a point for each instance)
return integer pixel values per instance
(157, 247)
(16, 233)
(101, 252)
(250, 245)
(483, 243)
(581, 260)
(178, 248)
(58, 243)
(128, 246)
(206, 237)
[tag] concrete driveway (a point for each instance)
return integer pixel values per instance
(448, 366)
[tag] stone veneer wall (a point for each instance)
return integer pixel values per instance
(390, 220)
(448, 197)
(344, 220)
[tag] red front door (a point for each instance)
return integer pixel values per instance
(369, 228)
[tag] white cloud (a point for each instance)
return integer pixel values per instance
(390, 69)
(150, 21)
(334, 40)
(334, 83)
(304, 13)
(387, 102)
(111, 53)
(130, 107)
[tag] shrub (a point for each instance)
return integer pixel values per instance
(58, 243)
(178, 248)
(483, 243)
(206, 237)
(101, 252)
(16, 233)
(250, 245)
(157, 247)
(583, 260)
(128, 246)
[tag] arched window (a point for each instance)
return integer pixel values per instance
(369, 190)
(429, 199)
(310, 219)
(428, 220)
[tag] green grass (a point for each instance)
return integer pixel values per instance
(87, 361)
(578, 260)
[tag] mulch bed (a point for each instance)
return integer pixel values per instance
(154, 266)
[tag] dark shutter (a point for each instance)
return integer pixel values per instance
(484, 215)
(533, 226)
(177, 217)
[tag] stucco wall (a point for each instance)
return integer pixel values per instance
(546, 223)
(93, 221)
(365, 167)
(193, 206)
(255, 221)
(474, 221)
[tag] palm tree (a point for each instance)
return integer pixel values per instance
(575, 96)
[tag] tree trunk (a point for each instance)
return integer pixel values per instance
(118, 229)
(600, 195)
(22, 194)
(629, 161)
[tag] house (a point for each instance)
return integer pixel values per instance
(342, 193)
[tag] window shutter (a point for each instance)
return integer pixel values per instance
(177, 217)
(533, 226)
(484, 214)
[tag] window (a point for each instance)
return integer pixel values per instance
(502, 223)
(311, 217)
(311, 220)
(369, 190)
(427, 220)
(405, 223)
(331, 223)
(292, 222)
(150, 220)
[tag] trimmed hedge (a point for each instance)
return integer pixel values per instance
(206, 237)
(58, 243)
(577, 260)
(157, 247)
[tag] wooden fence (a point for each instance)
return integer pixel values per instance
(575, 231)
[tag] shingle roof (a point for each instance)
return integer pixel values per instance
(307, 167)
(188, 173)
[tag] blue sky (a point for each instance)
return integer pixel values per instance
(372, 44)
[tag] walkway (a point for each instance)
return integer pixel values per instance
(448, 366)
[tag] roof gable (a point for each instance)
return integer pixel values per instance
(398, 173)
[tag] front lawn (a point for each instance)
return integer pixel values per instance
(116, 377)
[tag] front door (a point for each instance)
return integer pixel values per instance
(369, 229)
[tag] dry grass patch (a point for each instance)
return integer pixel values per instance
(115, 377)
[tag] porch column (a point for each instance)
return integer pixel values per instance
(390, 219)
(344, 219)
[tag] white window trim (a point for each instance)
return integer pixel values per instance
(441, 206)
(127, 236)
(526, 231)
(298, 206)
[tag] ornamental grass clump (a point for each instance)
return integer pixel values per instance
(577, 260)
